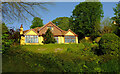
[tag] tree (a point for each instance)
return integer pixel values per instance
(108, 26)
(85, 19)
(9, 37)
(15, 35)
(49, 37)
(16, 10)
(62, 22)
(6, 41)
(37, 22)
(117, 19)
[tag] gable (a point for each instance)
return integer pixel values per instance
(30, 33)
(50, 24)
(69, 33)
(55, 30)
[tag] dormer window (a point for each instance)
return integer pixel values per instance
(50, 27)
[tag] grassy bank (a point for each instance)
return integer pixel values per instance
(51, 48)
(57, 58)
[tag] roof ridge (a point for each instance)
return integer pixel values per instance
(44, 25)
(52, 24)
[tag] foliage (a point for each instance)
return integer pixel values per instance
(106, 29)
(116, 18)
(6, 41)
(110, 44)
(110, 66)
(86, 17)
(87, 43)
(108, 26)
(78, 61)
(62, 22)
(15, 35)
(9, 37)
(95, 48)
(37, 22)
(68, 49)
(49, 37)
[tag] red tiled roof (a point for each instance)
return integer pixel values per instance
(25, 31)
(43, 29)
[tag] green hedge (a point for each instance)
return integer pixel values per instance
(110, 44)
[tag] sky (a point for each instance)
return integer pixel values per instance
(63, 9)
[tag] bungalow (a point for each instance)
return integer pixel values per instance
(35, 36)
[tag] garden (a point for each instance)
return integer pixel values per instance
(99, 53)
(82, 57)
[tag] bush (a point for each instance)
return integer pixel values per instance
(49, 37)
(6, 41)
(110, 66)
(110, 44)
(87, 43)
(69, 49)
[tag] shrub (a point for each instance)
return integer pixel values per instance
(49, 37)
(6, 41)
(69, 49)
(93, 36)
(110, 44)
(87, 43)
(110, 66)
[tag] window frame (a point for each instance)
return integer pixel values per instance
(69, 39)
(49, 27)
(31, 39)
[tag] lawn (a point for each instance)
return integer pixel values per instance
(56, 58)
(52, 48)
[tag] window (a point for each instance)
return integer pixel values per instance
(50, 27)
(56, 38)
(31, 39)
(69, 39)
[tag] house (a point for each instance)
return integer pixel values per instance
(35, 36)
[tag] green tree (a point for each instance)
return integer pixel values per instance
(62, 22)
(49, 37)
(117, 19)
(85, 20)
(108, 26)
(6, 41)
(37, 22)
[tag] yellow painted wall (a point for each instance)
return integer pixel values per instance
(31, 33)
(60, 39)
(69, 33)
(40, 39)
(76, 39)
(87, 38)
(21, 30)
(22, 41)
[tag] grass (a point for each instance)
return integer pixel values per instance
(54, 58)
(51, 48)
